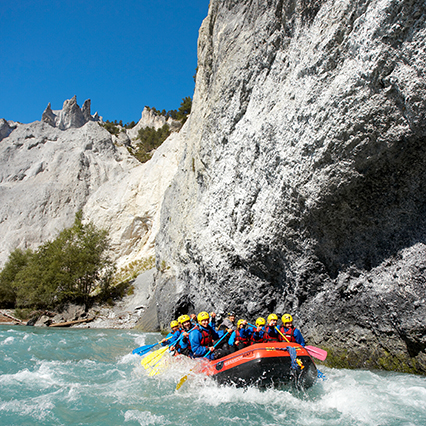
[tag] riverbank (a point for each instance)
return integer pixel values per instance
(123, 314)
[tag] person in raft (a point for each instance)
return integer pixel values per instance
(228, 323)
(258, 332)
(173, 335)
(291, 333)
(271, 333)
(201, 339)
(240, 338)
(183, 347)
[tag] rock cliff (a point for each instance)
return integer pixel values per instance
(302, 182)
(71, 115)
(52, 168)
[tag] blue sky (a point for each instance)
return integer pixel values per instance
(122, 55)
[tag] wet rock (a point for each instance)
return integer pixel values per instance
(301, 184)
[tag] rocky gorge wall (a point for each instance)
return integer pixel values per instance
(67, 162)
(301, 187)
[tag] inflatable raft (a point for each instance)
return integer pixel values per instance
(273, 364)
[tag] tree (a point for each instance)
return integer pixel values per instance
(18, 260)
(66, 269)
(150, 139)
(185, 106)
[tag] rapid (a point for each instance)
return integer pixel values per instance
(90, 377)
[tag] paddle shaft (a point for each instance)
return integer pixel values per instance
(146, 348)
(217, 343)
(182, 336)
(185, 378)
(276, 328)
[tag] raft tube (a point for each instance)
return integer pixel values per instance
(264, 365)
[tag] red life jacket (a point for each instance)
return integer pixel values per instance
(185, 350)
(268, 338)
(243, 340)
(207, 338)
(289, 334)
(260, 336)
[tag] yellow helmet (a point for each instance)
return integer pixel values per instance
(287, 318)
(240, 321)
(184, 318)
(174, 324)
(260, 321)
(202, 316)
(272, 317)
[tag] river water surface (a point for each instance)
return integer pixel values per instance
(89, 377)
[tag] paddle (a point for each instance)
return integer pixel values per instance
(185, 378)
(153, 357)
(288, 341)
(312, 350)
(145, 349)
(150, 361)
(317, 353)
(319, 374)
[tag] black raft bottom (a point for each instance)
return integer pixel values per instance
(269, 372)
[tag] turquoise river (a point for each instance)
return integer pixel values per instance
(90, 377)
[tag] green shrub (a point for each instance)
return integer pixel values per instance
(185, 109)
(111, 127)
(18, 260)
(149, 139)
(181, 114)
(66, 269)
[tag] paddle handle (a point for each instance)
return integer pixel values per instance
(217, 343)
(276, 328)
(181, 337)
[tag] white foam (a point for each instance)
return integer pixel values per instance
(8, 341)
(140, 340)
(144, 418)
(127, 359)
(38, 408)
(41, 378)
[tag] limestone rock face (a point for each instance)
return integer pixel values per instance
(129, 205)
(150, 119)
(51, 169)
(71, 115)
(47, 175)
(5, 129)
(301, 185)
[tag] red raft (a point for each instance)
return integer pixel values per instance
(264, 365)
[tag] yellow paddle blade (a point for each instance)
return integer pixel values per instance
(154, 363)
(183, 379)
(159, 367)
(153, 357)
(181, 382)
(149, 363)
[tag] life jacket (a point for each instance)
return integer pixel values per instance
(260, 335)
(243, 340)
(207, 338)
(267, 337)
(289, 334)
(187, 349)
